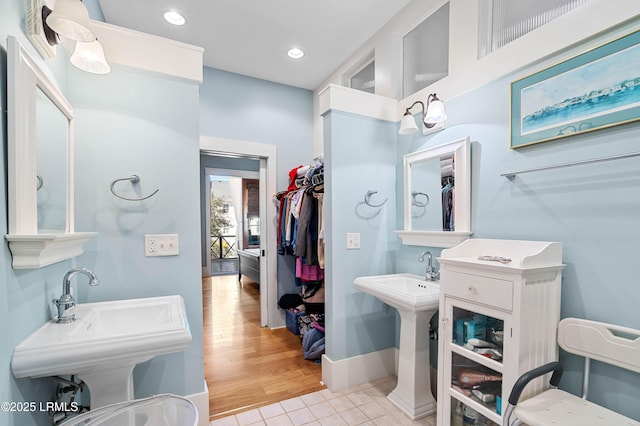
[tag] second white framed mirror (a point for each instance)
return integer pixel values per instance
(437, 195)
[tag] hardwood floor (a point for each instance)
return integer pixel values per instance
(247, 366)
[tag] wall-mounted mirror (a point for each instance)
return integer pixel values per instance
(52, 142)
(437, 195)
(40, 167)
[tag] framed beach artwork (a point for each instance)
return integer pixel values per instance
(596, 89)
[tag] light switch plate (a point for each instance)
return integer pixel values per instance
(353, 241)
(161, 245)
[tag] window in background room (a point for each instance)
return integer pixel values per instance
(251, 213)
(502, 21)
(426, 52)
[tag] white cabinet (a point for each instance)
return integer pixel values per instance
(514, 304)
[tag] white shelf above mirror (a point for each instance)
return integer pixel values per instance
(38, 250)
(426, 222)
(433, 238)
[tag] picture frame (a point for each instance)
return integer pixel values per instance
(597, 89)
(34, 23)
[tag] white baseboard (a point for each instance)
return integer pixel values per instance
(201, 401)
(345, 373)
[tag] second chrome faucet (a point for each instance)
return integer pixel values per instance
(430, 274)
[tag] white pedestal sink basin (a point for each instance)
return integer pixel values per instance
(104, 344)
(416, 300)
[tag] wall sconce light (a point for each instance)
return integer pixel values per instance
(69, 19)
(90, 57)
(432, 119)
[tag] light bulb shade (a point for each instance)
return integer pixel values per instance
(90, 57)
(70, 19)
(435, 112)
(408, 125)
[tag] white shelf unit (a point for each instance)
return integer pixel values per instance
(521, 297)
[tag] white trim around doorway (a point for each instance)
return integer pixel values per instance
(270, 315)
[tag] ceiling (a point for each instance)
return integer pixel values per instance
(251, 37)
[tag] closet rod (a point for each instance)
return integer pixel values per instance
(512, 175)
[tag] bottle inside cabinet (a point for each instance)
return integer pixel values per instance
(479, 333)
(463, 415)
(476, 382)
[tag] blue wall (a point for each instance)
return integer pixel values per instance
(134, 122)
(238, 107)
(234, 106)
(359, 156)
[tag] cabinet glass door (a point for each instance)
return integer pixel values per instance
(474, 351)
(478, 333)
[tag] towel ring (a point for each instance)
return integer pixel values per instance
(415, 202)
(367, 199)
(134, 179)
(40, 182)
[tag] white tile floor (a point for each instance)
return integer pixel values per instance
(365, 404)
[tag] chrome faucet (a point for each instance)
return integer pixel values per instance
(430, 274)
(66, 305)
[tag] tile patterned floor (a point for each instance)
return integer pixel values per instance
(365, 404)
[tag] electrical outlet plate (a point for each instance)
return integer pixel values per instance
(353, 241)
(161, 245)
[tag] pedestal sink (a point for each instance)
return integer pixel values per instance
(416, 300)
(104, 344)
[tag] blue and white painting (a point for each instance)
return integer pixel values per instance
(577, 96)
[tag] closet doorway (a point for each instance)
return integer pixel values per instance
(242, 354)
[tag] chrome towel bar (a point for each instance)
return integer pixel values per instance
(512, 175)
(133, 179)
(367, 199)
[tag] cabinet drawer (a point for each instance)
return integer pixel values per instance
(488, 291)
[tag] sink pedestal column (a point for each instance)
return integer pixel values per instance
(109, 385)
(412, 395)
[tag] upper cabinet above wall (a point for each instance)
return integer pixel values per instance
(425, 52)
(484, 47)
(502, 21)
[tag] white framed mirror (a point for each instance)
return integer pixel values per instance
(437, 195)
(40, 166)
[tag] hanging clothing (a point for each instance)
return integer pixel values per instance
(447, 207)
(320, 197)
(307, 234)
(293, 173)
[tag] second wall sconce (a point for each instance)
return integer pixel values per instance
(68, 20)
(433, 117)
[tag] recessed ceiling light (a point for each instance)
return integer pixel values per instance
(174, 18)
(295, 53)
